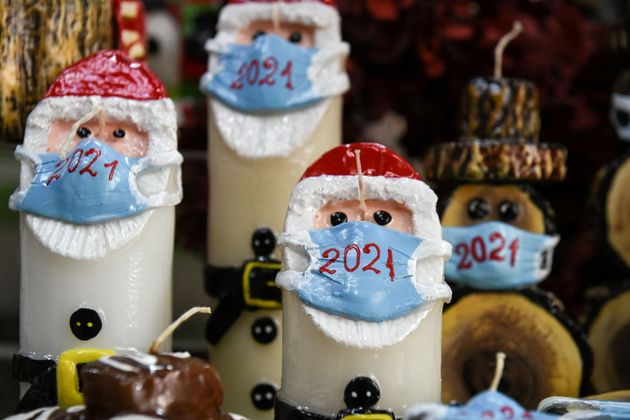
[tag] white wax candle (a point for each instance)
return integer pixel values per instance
(275, 77)
(246, 194)
(362, 270)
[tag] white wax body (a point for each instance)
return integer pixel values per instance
(130, 288)
(316, 368)
(247, 194)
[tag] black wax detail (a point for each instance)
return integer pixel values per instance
(42, 393)
(263, 242)
(361, 392)
(478, 208)
(295, 37)
(623, 118)
(119, 133)
(85, 323)
(285, 411)
(153, 46)
(264, 330)
(263, 396)
(226, 284)
(382, 217)
(26, 369)
(509, 210)
(338, 218)
(83, 132)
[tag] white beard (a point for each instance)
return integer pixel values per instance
(364, 334)
(258, 136)
(85, 241)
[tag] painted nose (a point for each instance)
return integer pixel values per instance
(361, 392)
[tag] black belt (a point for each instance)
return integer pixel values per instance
(42, 375)
(285, 411)
(250, 287)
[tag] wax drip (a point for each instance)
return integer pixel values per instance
(87, 117)
(362, 206)
(498, 371)
(517, 28)
(169, 330)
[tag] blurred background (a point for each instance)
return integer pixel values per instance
(409, 62)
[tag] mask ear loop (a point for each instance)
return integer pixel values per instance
(362, 206)
(63, 150)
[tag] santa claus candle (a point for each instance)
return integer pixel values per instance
(100, 176)
(275, 79)
(363, 277)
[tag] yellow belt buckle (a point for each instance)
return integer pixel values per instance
(375, 416)
(68, 376)
(260, 303)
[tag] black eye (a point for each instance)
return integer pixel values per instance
(295, 37)
(119, 133)
(258, 33)
(338, 218)
(85, 323)
(382, 217)
(509, 210)
(478, 208)
(622, 117)
(83, 132)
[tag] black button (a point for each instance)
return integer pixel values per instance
(263, 396)
(361, 392)
(264, 330)
(622, 117)
(85, 323)
(263, 242)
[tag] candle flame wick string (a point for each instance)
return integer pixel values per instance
(63, 150)
(517, 28)
(362, 206)
(101, 123)
(498, 371)
(169, 330)
(275, 15)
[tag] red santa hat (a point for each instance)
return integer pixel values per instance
(321, 14)
(124, 89)
(386, 176)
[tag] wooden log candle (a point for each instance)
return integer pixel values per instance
(99, 180)
(275, 79)
(503, 236)
(41, 38)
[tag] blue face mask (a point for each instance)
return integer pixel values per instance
(496, 255)
(487, 404)
(92, 184)
(362, 271)
(270, 74)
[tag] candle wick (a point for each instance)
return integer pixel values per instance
(517, 28)
(275, 15)
(498, 371)
(87, 117)
(101, 123)
(169, 330)
(362, 206)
